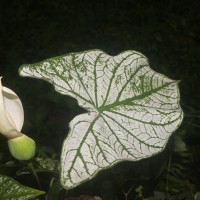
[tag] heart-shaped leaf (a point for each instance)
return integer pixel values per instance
(132, 110)
(12, 190)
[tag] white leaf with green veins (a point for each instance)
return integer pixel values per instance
(132, 110)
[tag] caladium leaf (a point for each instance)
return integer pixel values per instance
(132, 110)
(12, 190)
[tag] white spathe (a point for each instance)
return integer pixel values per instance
(21, 146)
(11, 113)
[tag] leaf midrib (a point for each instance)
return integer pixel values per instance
(78, 154)
(128, 100)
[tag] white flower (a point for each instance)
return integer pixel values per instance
(11, 121)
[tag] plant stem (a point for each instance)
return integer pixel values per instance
(168, 168)
(33, 171)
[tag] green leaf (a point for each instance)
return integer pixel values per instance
(132, 110)
(12, 190)
(48, 164)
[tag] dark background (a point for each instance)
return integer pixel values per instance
(166, 31)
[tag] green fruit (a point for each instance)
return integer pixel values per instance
(22, 148)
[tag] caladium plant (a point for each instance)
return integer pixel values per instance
(132, 110)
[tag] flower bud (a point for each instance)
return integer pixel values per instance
(22, 148)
